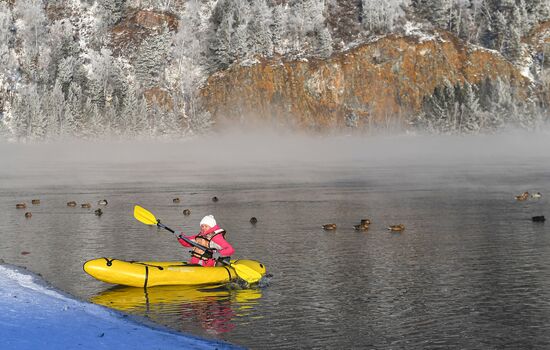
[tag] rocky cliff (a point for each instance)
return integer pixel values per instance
(378, 82)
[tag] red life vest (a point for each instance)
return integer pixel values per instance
(206, 241)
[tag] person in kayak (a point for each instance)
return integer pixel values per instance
(211, 236)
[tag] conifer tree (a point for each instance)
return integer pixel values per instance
(73, 111)
(259, 32)
(278, 28)
(324, 42)
(30, 25)
(151, 58)
(221, 46)
(97, 122)
(53, 104)
(470, 112)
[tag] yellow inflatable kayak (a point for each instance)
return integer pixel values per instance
(149, 274)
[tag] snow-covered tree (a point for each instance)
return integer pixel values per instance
(134, 113)
(303, 16)
(278, 28)
(30, 25)
(29, 122)
(221, 44)
(9, 72)
(259, 30)
(73, 111)
(344, 20)
(53, 107)
(60, 39)
(470, 111)
(380, 16)
(104, 76)
(151, 58)
(110, 10)
(324, 42)
(229, 35)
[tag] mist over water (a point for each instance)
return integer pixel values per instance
(253, 156)
(471, 270)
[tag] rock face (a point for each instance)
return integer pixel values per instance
(374, 83)
(139, 24)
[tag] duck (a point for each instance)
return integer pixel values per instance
(253, 220)
(522, 196)
(329, 227)
(176, 200)
(20, 205)
(102, 202)
(365, 222)
(361, 227)
(186, 212)
(539, 218)
(214, 199)
(71, 204)
(86, 205)
(98, 212)
(396, 228)
(536, 195)
(28, 214)
(35, 201)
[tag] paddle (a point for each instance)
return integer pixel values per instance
(244, 272)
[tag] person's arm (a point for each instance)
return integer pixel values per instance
(225, 248)
(184, 243)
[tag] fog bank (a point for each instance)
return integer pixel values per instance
(254, 154)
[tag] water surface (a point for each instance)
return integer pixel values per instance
(471, 270)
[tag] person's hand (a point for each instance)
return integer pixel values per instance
(224, 260)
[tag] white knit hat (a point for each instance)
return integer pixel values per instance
(208, 220)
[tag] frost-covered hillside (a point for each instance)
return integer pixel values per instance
(135, 68)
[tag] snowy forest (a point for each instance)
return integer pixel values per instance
(66, 74)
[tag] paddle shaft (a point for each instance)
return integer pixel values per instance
(194, 244)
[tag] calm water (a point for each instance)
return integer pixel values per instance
(470, 271)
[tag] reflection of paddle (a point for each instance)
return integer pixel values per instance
(246, 273)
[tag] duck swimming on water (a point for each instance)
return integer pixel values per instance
(329, 227)
(522, 196)
(365, 222)
(536, 195)
(396, 228)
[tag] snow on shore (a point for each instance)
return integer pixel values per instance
(35, 316)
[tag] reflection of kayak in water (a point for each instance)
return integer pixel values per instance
(128, 298)
(149, 274)
(214, 309)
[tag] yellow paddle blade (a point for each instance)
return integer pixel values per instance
(144, 215)
(246, 273)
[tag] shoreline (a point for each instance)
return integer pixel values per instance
(36, 315)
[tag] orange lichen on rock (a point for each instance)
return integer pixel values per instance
(159, 96)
